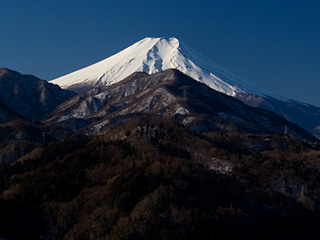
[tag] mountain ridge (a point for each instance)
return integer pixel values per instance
(169, 94)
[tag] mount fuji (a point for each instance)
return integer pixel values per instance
(152, 55)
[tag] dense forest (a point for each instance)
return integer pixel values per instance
(151, 179)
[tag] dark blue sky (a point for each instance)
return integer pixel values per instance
(273, 43)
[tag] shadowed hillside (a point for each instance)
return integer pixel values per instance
(153, 179)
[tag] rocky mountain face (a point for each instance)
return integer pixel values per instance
(28, 96)
(170, 94)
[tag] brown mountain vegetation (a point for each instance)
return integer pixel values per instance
(155, 179)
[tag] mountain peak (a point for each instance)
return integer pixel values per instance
(7, 71)
(12, 74)
(28, 95)
(153, 55)
(167, 39)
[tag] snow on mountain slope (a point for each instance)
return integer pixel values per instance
(152, 55)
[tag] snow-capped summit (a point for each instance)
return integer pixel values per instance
(152, 55)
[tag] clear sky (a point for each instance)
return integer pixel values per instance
(273, 43)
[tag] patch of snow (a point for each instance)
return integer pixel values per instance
(96, 129)
(220, 166)
(188, 120)
(182, 111)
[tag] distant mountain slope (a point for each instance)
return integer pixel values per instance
(28, 96)
(305, 115)
(174, 95)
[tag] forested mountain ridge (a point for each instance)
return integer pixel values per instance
(155, 179)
